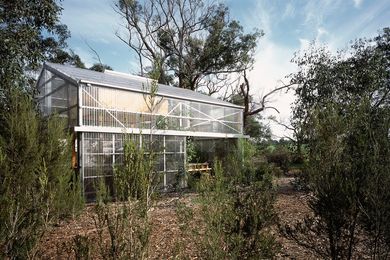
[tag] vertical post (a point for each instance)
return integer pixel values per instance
(81, 163)
(189, 114)
(242, 121)
(67, 87)
(184, 183)
(48, 90)
(80, 104)
(165, 164)
(113, 152)
(181, 116)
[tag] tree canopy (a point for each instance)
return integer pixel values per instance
(194, 40)
(30, 32)
(343, 113)
(345, 78)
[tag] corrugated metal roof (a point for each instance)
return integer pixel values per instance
(130, 82)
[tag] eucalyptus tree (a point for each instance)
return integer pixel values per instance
(343, 112)
(195, 40)
(30, 31)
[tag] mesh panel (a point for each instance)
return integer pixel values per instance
(101, 152)
(107, 107)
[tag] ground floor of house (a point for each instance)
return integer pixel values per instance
(98, 153)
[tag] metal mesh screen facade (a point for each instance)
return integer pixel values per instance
(101, 152)
(57, 95)
(100, 114)
(107, 107)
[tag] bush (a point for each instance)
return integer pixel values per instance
(281, 157)
(126, 222)
(347, 173)
(35, 177)
(342, 112)
(237, 216)
(123, 229)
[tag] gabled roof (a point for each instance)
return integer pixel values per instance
(113, 79)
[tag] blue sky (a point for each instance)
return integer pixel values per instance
(289, 26)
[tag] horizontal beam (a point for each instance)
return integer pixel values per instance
(119, 130)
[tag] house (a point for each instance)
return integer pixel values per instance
(100, 108)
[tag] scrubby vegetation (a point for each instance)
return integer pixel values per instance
(236, 209)
(339, 152)
(343, 111)
(38, 186)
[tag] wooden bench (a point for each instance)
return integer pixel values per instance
(198, 167)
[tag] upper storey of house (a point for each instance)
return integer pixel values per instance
(111, 102)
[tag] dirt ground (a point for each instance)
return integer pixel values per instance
(291, 206)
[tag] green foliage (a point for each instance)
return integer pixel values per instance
(131, 178)
(237, 217)
(30, 32)
(335, 188)
(63, 186)
(135, 181)
(190, 150)
(342, 110)
(127, 227)
(81, 247)
(281, 157)
(242, 164)
(256, 129)
(195, 39)
(372, 143)
(100, 67)
(66, 57)
(35, 174)
(22, 180)
(236, 210)
(325, 78)
(36, 185)
(126, 221)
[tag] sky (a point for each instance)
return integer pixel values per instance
(289, 27)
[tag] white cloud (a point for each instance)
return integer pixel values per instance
(271, 66)
(321, 34)
(85, 56)
(91, 20)
(289, 11)
(365, 24)
(317, 11)
(304, 43)
(357, 3)
(261, 16)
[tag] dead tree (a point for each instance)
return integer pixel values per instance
(252, 107)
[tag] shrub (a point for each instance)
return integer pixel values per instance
(237, 217)
(281, 157)
(81, 247)
(347, 169)
(35, 177)
(126, 222)
(123, 229)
